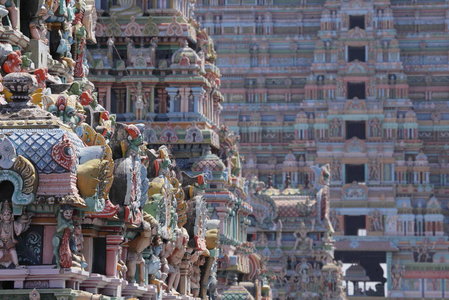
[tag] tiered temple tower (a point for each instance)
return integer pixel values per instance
(359, 85)
(154, 66)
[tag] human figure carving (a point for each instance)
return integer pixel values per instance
(377, 221)
(397, 271)
(304, 242)
(62, 236)
(10, 229)
(126, 8)
(12, 11)
(175, 259)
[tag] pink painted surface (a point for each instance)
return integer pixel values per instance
(57, 184)
(47, 258)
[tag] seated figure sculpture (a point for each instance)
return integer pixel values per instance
(126, 9)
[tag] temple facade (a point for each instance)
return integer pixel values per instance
(154, 66)
(360, 85)
(98, 203)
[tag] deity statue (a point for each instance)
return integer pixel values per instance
(305, 243)
(336, 170)
(138, 245)
(12, 11)
(374, 167)
(375, 126)
(303, 269)
(140, 102)
(126, 8)
(263, 240)
(279, 234)
(372, 88)
(377, 221)
(121, 266)
(182, 238)
(154, 264)
(335, 127)
(77, 256)
(334, 220)
(62, 237)
(195, 273)
(397, 271)
(10, 229)
(167, 250)
(135, 140)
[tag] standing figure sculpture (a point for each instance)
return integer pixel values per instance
(10, 229)
(12, 11)
(377, 221)
(62, 237)
(140, 102)
(174, 274)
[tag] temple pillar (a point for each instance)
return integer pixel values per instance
(112, 247)
(198, 94)
(172, 93)
(184, 282)
(108, 98)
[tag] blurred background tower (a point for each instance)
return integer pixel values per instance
(361, 85)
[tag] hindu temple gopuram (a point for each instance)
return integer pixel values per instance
(361, 85)
(117, 180)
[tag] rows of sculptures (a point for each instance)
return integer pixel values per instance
(90, 206)
(300, 263)
(357, 85)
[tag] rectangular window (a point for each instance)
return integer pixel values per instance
(356, 53)
(268, 118)
(99, 259)
(356, 21)
(289, 118)
(355, 173)
(244, 118)
(387, 172)
(356, 90)
(355, 129)
(355, 225)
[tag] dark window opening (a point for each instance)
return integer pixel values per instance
(355, 173)
(355, 129)
(354, 225)
(356, 53)
(250, 237)
(118, 101)
(356, 90)
(7, 285)
(6, 190)
(357, 21)
(99, 259)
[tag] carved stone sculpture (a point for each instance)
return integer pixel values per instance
(10, 229)
(182, 238)
(62, 237)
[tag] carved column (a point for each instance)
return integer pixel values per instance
(102, 95)
(184, 267)
(222, 212)
(112, 247)
(172, 93)
(197, 93)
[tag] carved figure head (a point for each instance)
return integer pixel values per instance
(6, 211)
(13, 62)
(67, 212)
(7, 153)
(67, 111)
